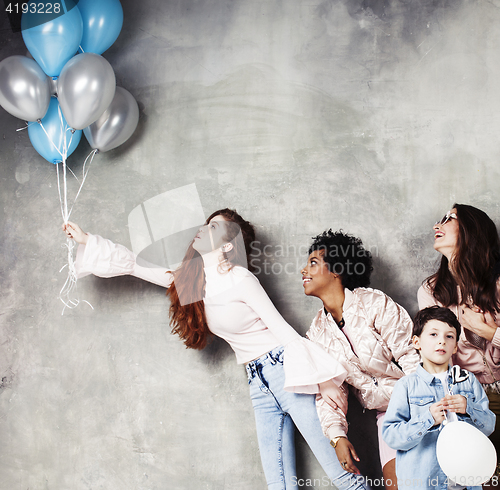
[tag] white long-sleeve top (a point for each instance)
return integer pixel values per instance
(237, 309)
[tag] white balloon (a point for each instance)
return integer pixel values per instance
(465, 454)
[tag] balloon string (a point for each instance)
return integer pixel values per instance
(28, 124)
(68, 293)
(64, 155)
(59, 190)
(63, 192)
(73, 174)
(49, 138)
(446, 413)
(85, 172)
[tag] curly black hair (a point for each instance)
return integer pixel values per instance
(345, 256)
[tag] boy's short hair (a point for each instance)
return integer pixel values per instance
(435, 313)
(345, 255)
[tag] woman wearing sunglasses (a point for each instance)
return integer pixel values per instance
(467, 282)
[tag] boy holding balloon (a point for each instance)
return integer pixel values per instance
(424, 401)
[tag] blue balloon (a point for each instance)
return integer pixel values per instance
(57, 129)
(52, 40)
(102, 23)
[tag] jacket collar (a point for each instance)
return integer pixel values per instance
(425, 375)
(348, 300)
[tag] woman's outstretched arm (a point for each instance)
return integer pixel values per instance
(103, 258)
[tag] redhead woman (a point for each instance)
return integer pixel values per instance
(365, 330)
(467, 282)
(213, 292)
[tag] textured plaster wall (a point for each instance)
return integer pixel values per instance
(372, 116)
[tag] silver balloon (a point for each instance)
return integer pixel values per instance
(53, 86)
(24, 88)
(85, 89)
(116, 124)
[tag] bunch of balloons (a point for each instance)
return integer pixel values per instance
(67, 88)
(63, 92)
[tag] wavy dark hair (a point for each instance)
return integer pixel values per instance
(346, 256)
(475, 264)
(187, 317)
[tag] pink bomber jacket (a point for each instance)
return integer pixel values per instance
(485, 364)
(377, 333)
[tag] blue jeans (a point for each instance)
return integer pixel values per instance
(276, 412)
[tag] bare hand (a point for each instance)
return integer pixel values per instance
(333, 395)
(347, 454)
(455, 403)
(479, 322)
(438, 411)
(72, 230)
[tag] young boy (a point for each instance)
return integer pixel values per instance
(422, 400)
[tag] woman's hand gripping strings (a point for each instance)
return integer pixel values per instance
(72, 230)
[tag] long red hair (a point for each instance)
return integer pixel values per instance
(187, 309)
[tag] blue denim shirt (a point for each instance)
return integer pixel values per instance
(409, 426)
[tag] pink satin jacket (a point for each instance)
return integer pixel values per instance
(485, 364)
(377, 333)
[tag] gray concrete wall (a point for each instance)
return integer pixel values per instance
(373, 116)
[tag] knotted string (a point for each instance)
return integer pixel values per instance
(28, 124)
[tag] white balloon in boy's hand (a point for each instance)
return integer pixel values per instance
(465, 454)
